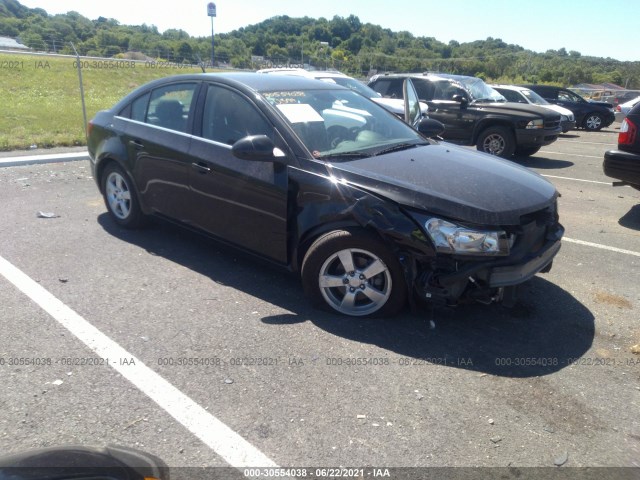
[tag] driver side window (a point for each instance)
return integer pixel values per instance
(228, 117)
(567, 96)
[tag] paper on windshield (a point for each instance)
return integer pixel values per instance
(300, 113)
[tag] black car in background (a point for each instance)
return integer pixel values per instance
(318, 179)
(623, 164)
(475, 114)
(589, 115)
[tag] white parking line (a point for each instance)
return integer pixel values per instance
(567, 140)
(573, 154)
(234, 449)
(602, 247)
(577, 179)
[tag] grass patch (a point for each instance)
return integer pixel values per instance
(41, 101)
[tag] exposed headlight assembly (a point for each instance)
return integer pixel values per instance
(538, 123)
(459, 240)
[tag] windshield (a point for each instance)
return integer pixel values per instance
(342, 124)
(480, 91)
(354, 85)
(533, 97)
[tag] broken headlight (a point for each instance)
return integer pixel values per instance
(457, 239)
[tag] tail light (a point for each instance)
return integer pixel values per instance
(89, 128)
(628, 132)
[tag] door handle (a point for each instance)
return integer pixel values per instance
(136, 144)
(201, 167)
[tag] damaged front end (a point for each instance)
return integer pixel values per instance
(485, 264)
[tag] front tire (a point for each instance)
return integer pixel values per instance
(120, 197)
(353, 273)
(593, 122)
(497, 141)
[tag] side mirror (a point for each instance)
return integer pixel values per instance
(462, 99)
(430, 127)
(258, 148)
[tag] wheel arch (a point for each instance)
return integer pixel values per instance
(101, 165)
(482, 125)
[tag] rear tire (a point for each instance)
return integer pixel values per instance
(120, 197)
(353, 273)
(497, 141)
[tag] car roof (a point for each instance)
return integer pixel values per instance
(517, 88)
(305, 73)
(542, 86)
(632, 102)
(428, 75)
(246, 81)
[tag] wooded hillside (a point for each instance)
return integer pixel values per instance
(346, 44)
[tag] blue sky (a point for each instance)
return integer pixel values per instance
(591, 27)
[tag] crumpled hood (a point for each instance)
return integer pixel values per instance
(451, 181)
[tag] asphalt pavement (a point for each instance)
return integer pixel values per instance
(233, 367)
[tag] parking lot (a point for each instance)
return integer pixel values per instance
(161, 340)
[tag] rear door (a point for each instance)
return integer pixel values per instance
(157, 138)
(240, 201)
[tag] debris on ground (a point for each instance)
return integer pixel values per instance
(561, 460)
(47, 215)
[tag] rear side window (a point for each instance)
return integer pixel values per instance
(169, 106)
(139, 108)
(549, 94)
(512, 96)
(389, 87)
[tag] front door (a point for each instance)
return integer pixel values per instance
(240, 201)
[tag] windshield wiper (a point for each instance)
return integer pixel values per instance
(398, 147)
(344, 155)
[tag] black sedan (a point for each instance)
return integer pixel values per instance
(324, 182)
(624, 164)
(589, 115)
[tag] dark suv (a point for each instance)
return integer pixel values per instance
(589, 115)
(475, 114)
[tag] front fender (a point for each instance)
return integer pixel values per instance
(320, 204)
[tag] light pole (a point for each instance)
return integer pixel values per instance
(326, 52)
(211, 11)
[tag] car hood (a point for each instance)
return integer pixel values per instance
(513, 108)
(452, 182)
(602, 104)
(559, 109)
